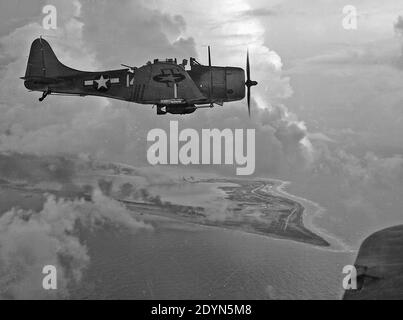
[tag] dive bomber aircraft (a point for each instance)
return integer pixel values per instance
(165, 84)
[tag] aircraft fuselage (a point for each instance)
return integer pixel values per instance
(166, 84)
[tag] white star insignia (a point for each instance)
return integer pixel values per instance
(102, 82)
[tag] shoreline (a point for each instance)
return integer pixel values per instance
(337, 244)
(281, 217)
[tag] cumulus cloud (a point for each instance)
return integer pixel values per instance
(30, 240)
(281, 136)
(362, 193)
(349, 58)
(131, 33)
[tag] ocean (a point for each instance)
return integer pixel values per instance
(178, 260)
(188, 262)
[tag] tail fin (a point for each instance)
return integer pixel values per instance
(43, 63)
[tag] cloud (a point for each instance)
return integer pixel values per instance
(399, 26)
(320, 136)
(360, 192)
(30, 240)
(134, 32)
(18, 13)
(33, 169)
(259, 12)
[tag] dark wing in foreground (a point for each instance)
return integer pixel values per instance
(379, 267)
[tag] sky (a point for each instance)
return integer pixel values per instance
(328, 111)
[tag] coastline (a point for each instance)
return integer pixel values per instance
(312, 211)
(250, 209)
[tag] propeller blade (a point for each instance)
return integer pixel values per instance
(209, 57)
(249, 83)
(211, 73)
(247, 67)
(249, 101)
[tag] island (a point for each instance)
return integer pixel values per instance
(254, 209)
(249, 205)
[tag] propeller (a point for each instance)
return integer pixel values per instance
(249, 83)
(211, 73)
(209, 57)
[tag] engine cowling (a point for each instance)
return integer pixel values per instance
(219, 83)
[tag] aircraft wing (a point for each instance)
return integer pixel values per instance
(165, 81)
(379, 267)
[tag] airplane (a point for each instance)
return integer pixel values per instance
(165, 84)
